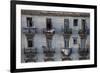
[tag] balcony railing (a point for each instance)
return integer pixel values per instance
(29, 30)
(49, 52)
(84, 32)
(67, 32)
(84, 53)
(30, 54)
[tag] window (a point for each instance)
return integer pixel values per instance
(48, 23)
(29, 21)
(30, 43)
(75, 40)
(75, 22)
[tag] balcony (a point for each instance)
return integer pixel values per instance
(84, 53)
(30, 54)
(48, 52)
(84, 32)
(29, 30)
(66, 52)
(49, 33)
(48, 59)
(67, 32)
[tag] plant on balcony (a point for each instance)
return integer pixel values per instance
(66, 53)
(29, 30)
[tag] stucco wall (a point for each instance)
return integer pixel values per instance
(58, 40)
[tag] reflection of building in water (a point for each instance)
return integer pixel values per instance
(54, 36)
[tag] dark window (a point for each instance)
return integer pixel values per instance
(75, 40)
(30, 43)
(49, 23)
(75, 22)
(29, 21)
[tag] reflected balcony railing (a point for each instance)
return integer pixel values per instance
(66, 52)
(29, 30)
(30, 54)
(48, 52)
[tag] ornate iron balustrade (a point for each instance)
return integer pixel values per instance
(29, 30)
(84, 53)
(67, 32)
(84, 32)
(49, 52)
(30, 54)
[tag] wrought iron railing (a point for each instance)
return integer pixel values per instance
(29, 30)
(85, 31)
(84, 53)
(49, 52)
(67, 32)
(30, 54)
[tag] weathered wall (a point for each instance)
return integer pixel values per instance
(58, 40)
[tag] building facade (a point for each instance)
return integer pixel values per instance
(54, 36)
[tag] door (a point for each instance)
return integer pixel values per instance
(48, 24)
(83, 24)
(29, 21)
(66, 24)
